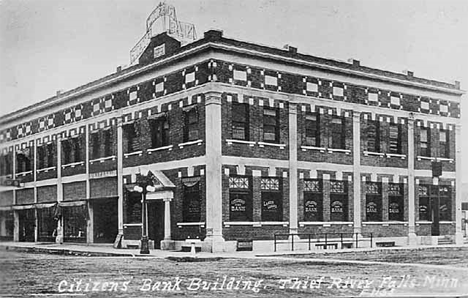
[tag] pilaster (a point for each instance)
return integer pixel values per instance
(357, 219)
(214, 240)
(293, 181)
(59, 237)
(412, 238)
(458, 188)
(90, 226)
(119, 155)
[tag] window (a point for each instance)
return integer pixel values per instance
(395, 138)
(270, 125)
(373, 201)
(425, 141)
(444, 144)
(67, 151)
(240, 121)
(108, 143)
(191, 125)
(50, 155)
(445, 203)
(159, 132)
(133, 207)
(395, 201)
(240, 198)
(373, 136)
(23, 159)
(95, 152)
(337, 137)
(313, 200)
(41, 157)
(312, 130)
(75, 223)
(133, 143)
(272, 199)
(76, 144)
(191, 211)
(71, 149)
(424, 205)
(6, 165)
(338, 200)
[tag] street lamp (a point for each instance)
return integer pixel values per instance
(144, 185)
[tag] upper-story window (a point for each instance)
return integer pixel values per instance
(5, 165)
(337, 136)
(444, 148)
(23, 160)
(159, 132)
(240, 121)
(71, 149)
(270, 125)
(191, 129)
(312, 129)
(425, 141)
(41, 157)
(108, 143)
(373, 136)
(95, 144)
(130, 134)
(101, 143)
(395, 138)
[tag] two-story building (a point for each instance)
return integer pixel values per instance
(243, 141)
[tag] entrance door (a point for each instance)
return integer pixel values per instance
(27, 222)
(105, 220)
(156, 222)
(435, 231)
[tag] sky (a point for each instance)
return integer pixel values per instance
(50, 45)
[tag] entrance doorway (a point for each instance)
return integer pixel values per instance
(156, 222)
(105, 220)
(27, 222)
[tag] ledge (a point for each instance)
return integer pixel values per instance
(72, 165)
(384, 223)
(390, 155)
(102, 159)
(367, 153)
(332, 150)
(256, 223)
(151, 150)
(139, 153)
(325, 223)
(233, 141)
(23, 173)
(133, 225)
(182, 145)
(450, 160)
(263, 144)
(45, 170)
(184, 224)
(321, 149)
(425, 158)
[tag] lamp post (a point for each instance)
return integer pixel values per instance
(144, 185)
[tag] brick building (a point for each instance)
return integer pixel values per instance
(243, 141)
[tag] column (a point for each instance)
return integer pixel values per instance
(357, 220)
(16, 230)
(214, 241)
(59, 237)
(412, 238)
(119, 156)
(293, 222)
(34, 168)
(458, 182)
(90, 226)
(167, 243)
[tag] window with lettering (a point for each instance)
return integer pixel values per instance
(240, 198)
(272, 199)
(373, 201)
(425, 212)
(338, 200)
(395, 202)
(312, 129)
(313, 200)
(191, 211)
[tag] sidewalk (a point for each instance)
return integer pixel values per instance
(107, 250)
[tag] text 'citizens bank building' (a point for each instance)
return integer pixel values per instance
(241, 142)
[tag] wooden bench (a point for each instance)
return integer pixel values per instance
(385, 243)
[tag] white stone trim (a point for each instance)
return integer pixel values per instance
(102, 159)
(263, 144)
(73, 164)
(321, 149)
(139, 153)
(234, 141)
(151, 150)
(197, 142)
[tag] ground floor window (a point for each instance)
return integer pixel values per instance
(27, 222)
(313, 200)
(373, 201)
(133, 208)
(272, 199)
(191, 211)
(47, 225)
(445, 203)
(429, 197)
(240, 199)
(6, 225)
(395, 202)
(74, 223)
(338, 200)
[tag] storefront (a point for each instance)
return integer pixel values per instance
(105, 219)
(6, 225)
(75, 217)
(46, 223)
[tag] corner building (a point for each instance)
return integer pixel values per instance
(244, 141)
